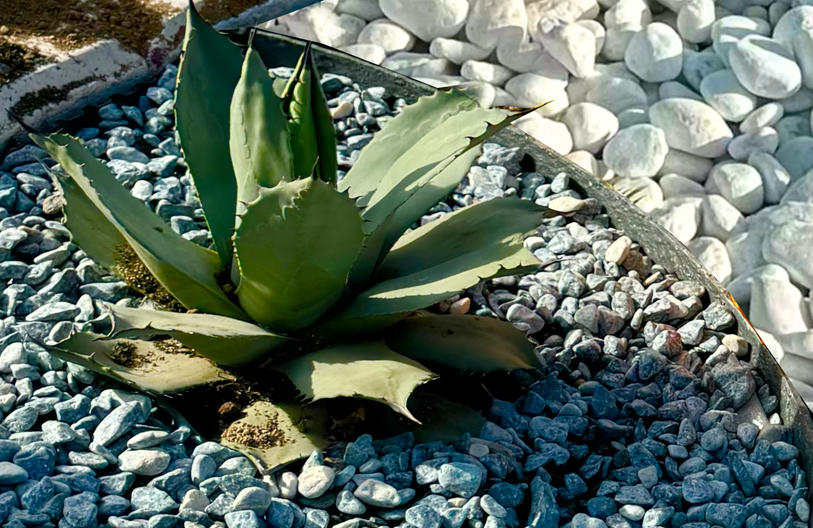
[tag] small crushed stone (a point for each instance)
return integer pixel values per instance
(641, 413)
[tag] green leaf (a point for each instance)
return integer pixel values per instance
(295, 246)
(465, 342)
(185, 269)
(207, 75)
(89, 228)
(272, 435)
(225, 341)
(467, 230)
(313, 140)
(143, 365)
(398, 136)
(362, 370)
(378, 243)
(259, 141)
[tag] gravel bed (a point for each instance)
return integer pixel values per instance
(699, 110)
(641, 413)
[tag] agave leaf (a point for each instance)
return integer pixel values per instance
(397, 136)
(225, 341)
(424, 287)
(363, 370)
(463, 231)
(143, 365)
(294, 247)
(185, 269)
(207, 75)
(409, 188)
(465, 342)
(313, 140)
(272, 435)
(89, 228)
(377, 243)
(259, 141)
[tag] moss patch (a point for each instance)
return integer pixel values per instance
(16, 60)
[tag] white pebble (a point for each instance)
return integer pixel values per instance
(369, 52)
(571, 44)
(636, 151)
(724, 93)
(766, 115)
(674, 185)
(775, 178)
(486, 72)
(643, 192)
(764, 67)
(457, 51)
(552, 133)
(738, 183)
(776, 304)
(530, 89)
(617, 94)
(719, 218)
(655, 54)
(694, 20)
(676, 89)
(491, 22)
(763, 140)
(680, 216)
(598, 32)
(590, 125)
(728, 30)
(688, 165)
(388, 35)
(795, 31)
(428, 19)
(691, 126)
(713, 255)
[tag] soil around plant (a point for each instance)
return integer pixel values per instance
(70, 25)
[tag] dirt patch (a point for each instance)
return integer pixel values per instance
(70, 25)
(15, 60)
(221, 9)
(35, 100)
(265, 436)
(132, 271)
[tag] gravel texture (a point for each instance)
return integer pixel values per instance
(699, 111)
(641, 413)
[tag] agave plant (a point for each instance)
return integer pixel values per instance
(317, 280)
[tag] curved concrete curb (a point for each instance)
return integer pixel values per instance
(90, 75)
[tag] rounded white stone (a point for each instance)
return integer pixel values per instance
(728, 30)
(617, 94)
(369, 52)
(720, 218)
(676, 89)
(598, 32)
(637, 151)
(552, 133)
(618, 250)
(483, 92)
(713, 255)
(321, 24)
(680, 216)
(491, 22)
(388, 35)
(628, 13)
(694, 20)
(655, 54)
(418, 64)
(691, 126)
(632, 116)
(696, 65)
(724, 93)
(776, 304)
(766, 115)
(521, 56)
(590, 125)
(585, 160)
(791, 246)
(428, 19)
(693, 167)
(569, 11)
(674, 185)
(795, 31)
(738, 183)
(616, 41)
(571, 44)
(643, 192)
(764, 67)
(457, 51)
(796, 155)
(489, 72)
(775, 178)
(366, 9)
(530, 89)
(800, 190)
(763, 140)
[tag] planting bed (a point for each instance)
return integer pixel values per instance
(628, 420)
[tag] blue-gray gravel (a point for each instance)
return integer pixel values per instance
(629, 421)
